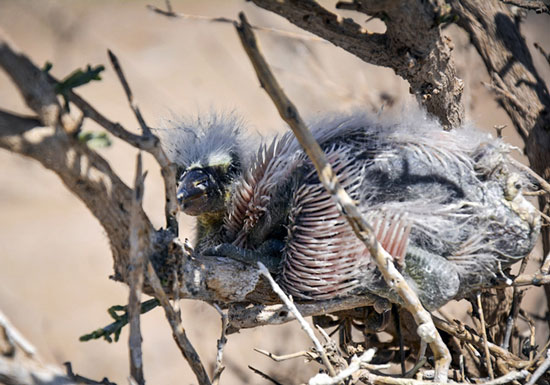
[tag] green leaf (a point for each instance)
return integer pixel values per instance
(95, 139)
(113, 329)
(78, 78)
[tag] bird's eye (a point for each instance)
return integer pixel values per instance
(203, 182)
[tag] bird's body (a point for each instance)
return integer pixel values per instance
(446, 205)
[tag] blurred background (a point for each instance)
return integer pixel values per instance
(54, 256)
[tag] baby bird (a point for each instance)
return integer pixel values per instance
(447, 205)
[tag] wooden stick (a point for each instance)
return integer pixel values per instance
(343, 201)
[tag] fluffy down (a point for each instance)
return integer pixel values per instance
(447, 206)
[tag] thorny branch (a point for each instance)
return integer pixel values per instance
(345, 204)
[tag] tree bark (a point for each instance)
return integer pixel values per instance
(412, 45)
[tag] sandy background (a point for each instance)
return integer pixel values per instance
(54, 256)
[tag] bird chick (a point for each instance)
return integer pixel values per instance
(446, 205)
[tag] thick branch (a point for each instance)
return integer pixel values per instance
(412, 46)
(32, 83)
(496, 36)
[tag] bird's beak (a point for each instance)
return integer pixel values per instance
(192, 191)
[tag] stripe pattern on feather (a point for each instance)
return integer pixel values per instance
(323, 258)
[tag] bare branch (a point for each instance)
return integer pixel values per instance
(33, 84)
(138, 244)
(221, 344)
(168, 170)
(178, 332)
(301, 320)
(460, 332)
(387, 380)
(83, 380)
(543, 368)
(346, 205)
(118, 69)
(543, 52)
(292, 35)
(533, 5)
(285, 357)
(485, 341)
(14, 337)
(412, 46)
(260, 315)
(263, 375)
(354, 366)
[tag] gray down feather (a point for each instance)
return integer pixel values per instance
(447, 205)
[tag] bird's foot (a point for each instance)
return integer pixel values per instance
(269, 253)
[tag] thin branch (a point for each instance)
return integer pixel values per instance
(146, 130)
(502, 94)
(532, 5)
(484, 336)
(178, 332)
(168, 170)
(33, 84)
(219, 368)
(263, 375)
(83, 380)
(276, 358)
(149, 143)
(303, 323)
(543, 368)
(345, 204)
(541, 181)
(292, 35)
(387, 380)
(14, 337)
(542, 52)
(135, 276)
(354, 366)
(259, 315)
(460, 332)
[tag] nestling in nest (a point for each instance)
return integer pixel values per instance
(446, 205)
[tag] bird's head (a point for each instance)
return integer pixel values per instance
(203, 188)
(208, 153)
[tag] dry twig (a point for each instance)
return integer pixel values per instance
(276, 358)
(303, 323)
(219, 368)
(485, 341)
(543, 368)
(168, 170)
(354, 366)
(462, 333)
(292, 35)
(346, 205)
(14, 337)
(178, 332)
(543, 52)
(533, 5)
(263, 375)
(135, 278)
(387, 380)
